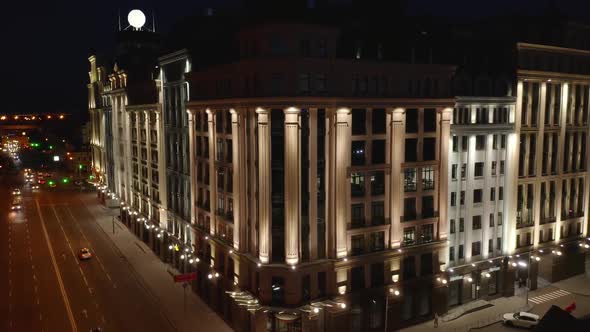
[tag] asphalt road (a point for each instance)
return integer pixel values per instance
(48, 288)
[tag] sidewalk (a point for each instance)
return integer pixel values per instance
(152, 274)
(579, 284)
(457, 320)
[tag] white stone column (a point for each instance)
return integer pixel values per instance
(212, 172)
(342, 179)
(192, 165)
(264, 222)
(397, 150)
(292, 192)
(313, 188)
(239, 180)
(443, 183)
(162, 185)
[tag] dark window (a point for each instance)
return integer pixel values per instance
(321, 284)
(378, 121)
(410, 208)
(476, 222)
(476, 248)
(378, 153)
(427, 178)
(358, 153)
(357, 278)
(429, 120)
(478, 169)
(411, 121)
(461, 251)
(426, 265)
(409, 268)
(378, 183)
(477, 195)
(429, 149)
(480, 142)
(452, 223)
(377, 274)
(461, 225)
(411, 150)
(278, 291)
(427, 206)
(359, 125)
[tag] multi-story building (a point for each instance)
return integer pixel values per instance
(99, 112)
(299, 157)
(177, 171)
(478, 159)
(550, 187)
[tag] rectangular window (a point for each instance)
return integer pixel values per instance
(464, 143)
(452, 226)
(454, 172)
(476, 248)
(494, 168)
(499, 218)
(359, 125)
(495, 142)
(480, 142)
(478, 169)
(463, 171)
(453, 199)
(427, 206)
(476, 222)
(411, 150)
(477, 195)
(427, 178)
(499, 244)
(358, 244)
(462, 198)
(460, 251)
(461, 225)
(503, 142)
(492, 194)
(490, 245)
(409, 179)
(501, 193)
(411, 121)
(491, 220)
(429, 148)
(452, 253)
(429, 122)
(410, 208)
(427, 233)
(409, 235)
(501, 167)
(455, 143)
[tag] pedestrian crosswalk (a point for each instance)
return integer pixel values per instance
(549, 296)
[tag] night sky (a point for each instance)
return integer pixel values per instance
(45, 45)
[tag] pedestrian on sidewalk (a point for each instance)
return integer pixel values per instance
(436, 320)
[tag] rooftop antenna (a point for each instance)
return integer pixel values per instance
(119, 15)
(153, 21)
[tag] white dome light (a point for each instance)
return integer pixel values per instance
(136, 18)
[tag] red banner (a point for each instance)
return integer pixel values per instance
(185, 277)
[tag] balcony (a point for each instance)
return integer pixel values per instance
(524, 222)
(357, 223)
(414, 216)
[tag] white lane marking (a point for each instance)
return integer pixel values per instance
(57, 273)
(88, 241)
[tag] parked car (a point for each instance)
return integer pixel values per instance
(521, 319)
(84, 254)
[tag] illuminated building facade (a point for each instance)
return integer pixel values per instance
(300, 193)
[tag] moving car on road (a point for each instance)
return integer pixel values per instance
(84, 254)
(16, 205)
(16, 192)
(520, 319)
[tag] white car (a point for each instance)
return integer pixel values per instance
(16, 192)
(34, 187)
(521, 319)
(84, 254)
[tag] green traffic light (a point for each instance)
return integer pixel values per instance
(50, 147)
(50, 182)
(80, 166)
(65, 180)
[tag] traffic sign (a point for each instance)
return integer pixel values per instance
(185, 277)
